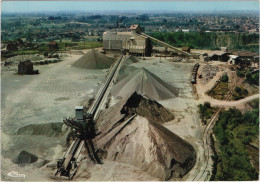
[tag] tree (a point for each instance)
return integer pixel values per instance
(45, 54)
(238, 90)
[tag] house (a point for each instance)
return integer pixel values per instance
(135, 29)
(185, 30)
(53, 45)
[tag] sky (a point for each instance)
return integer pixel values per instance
(38, 6)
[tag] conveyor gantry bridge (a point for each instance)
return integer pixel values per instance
(165, 44)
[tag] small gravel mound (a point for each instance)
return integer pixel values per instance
(24, 158)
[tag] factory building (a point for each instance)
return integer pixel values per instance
(131, 42)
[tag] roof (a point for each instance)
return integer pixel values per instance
(53, 43)
(233, 56)
(185, 48)
(218, 53)
(27, 62)
(245, 53)
(78, 107)
(124, 33)
(134, 27)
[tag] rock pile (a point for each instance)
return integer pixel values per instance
(208, 72)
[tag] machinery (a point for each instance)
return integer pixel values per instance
(83, 130)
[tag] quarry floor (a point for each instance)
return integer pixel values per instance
(52, 95)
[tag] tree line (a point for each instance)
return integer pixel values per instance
(210, 40)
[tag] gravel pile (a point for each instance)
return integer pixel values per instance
(94, 60)
(143, 142)
(145, 83)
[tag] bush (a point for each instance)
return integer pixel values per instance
(207, 105)
(206, 111)
(240, 74)
(252, 79)
(245, 91)
(238, 90)
(224, 78)
(45, 54)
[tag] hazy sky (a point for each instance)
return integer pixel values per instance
(36, 6)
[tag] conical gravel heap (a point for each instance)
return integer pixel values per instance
(143, 142)
(94, 60)
(145, 83)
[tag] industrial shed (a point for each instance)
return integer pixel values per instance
(131, 42)
(26, 68)
(219, 56)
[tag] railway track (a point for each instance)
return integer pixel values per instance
(204, 173)
(67, 166)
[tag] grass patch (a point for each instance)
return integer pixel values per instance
(21, 52)
(219, 91)
(239, 93)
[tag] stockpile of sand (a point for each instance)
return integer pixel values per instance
(48, 129)
(145, 83)
(152, 148)
(94, 60)
(143, 142)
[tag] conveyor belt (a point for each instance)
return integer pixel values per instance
(71, 156)
(165, 44)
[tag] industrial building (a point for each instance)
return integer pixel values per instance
(131, 42)
(25, 67)
(219, 56)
